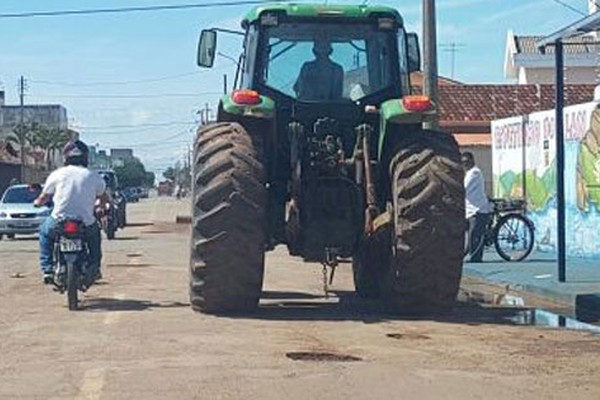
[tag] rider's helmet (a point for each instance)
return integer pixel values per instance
(76, 153)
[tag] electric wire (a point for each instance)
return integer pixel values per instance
(570, 7)
(128, 96)
(164, 7)
(115, 83)
(157, 124)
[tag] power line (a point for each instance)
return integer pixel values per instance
(570, 7)
(166, 7)
(129, 96)
(109, 83)
(138, 125)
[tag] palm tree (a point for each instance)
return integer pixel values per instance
(60, 137)
(43, 140)
(21, 136)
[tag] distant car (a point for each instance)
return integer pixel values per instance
(144, 193)
(131, 195)
(18, 216)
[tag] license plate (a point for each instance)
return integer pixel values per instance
(21, 224)
(70, 245)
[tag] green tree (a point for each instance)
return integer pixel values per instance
(170, 173)
(150, 179)
(132, 173)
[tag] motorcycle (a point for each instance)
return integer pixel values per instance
(71, 255)
(106, 216)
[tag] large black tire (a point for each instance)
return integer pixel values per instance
(368, 265)
(72, 286)
(229, 218)
(429, 210)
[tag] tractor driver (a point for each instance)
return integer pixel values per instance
(320, 79)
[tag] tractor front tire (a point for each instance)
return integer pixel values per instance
(229, 218)
(429, 210)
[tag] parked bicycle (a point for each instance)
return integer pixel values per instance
(509, 231)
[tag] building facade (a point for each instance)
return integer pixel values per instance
(524, 166)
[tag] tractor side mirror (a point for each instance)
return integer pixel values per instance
(414, 52)
(207, 48)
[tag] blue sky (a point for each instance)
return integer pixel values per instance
(82, 61)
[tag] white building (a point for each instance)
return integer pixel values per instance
(525, 64)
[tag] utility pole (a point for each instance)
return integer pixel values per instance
(430, 68)
(224, 83)
(22, 97)
(22, 89)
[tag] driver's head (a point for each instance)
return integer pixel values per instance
(76, 153)
(322, 48)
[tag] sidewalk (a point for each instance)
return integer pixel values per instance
(538, 275)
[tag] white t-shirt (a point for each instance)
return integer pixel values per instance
(476, 200)
(75, 190)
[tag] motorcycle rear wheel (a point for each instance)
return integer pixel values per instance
(72, 286)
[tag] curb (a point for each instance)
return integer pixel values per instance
(585, 305)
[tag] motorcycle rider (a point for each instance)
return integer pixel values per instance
(73, 190)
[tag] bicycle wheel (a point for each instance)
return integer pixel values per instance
(514, 237)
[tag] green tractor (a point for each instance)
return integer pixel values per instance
(321, 147)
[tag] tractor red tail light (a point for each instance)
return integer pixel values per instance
(417, 103)
(246, 97)
(71, 228)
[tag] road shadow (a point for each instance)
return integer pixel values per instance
(126, 238)
(348, 306)
(23, 239)
(104, 304)
(139, 224)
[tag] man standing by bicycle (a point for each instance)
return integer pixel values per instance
(478, 207)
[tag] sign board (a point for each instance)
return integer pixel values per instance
(524, 166)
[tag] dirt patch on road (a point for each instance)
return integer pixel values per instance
(408, 336)
(320, 356)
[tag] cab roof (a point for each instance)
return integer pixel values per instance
(321, 10)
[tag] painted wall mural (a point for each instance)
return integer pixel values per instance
(524, 166)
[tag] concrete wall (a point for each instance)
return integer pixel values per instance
(573, 75)
(53, 116)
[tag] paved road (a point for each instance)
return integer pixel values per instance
(137, 338)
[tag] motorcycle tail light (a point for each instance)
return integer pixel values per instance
(71, 228)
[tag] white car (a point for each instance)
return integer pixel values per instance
(18, 216)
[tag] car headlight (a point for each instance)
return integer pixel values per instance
(3, 214)
(45, 213)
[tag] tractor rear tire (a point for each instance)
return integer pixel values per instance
(429, 211)
(229, 218)
(369, 263)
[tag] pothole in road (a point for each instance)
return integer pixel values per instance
(133, 255)
(408, 336)
(317, 356)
